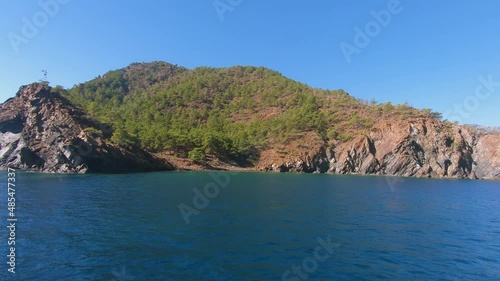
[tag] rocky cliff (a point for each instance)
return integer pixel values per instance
(413, 148)
(42, 131)
(251, 118)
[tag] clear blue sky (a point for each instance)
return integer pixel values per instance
(430, 54)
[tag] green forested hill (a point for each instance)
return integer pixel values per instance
(230, 113)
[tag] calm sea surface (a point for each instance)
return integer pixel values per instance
(251, 226)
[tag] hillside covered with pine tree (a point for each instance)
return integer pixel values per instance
(246, 117)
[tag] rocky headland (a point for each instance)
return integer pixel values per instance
(40, 130)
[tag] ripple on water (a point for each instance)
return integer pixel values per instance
(90, 227)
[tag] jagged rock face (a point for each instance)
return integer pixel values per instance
(487, 157)
(42, 131)
(302, 155)
(415, 148)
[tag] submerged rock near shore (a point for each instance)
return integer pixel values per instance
(40, 130)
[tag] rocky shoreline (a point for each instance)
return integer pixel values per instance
(40, 130)
(422, 148)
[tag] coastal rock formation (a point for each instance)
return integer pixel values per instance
(487, 155)
(42, 131)
(413, 148)
(236, 118)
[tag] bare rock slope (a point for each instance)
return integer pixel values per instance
(414, 148)
(42, 131)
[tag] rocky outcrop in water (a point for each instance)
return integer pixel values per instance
(42, 131)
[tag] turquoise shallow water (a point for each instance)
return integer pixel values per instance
(256, 227)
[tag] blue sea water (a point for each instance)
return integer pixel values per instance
(251, 226)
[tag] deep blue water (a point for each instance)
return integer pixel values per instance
(129, 227)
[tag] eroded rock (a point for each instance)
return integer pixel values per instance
(42, 131)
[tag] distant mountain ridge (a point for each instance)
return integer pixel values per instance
(255, 118)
